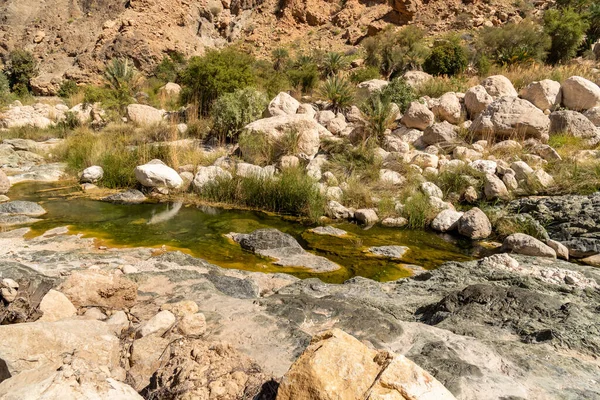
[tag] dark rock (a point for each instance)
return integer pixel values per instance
(394, 252)
(19, 207)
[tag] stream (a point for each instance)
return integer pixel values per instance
(200, 231)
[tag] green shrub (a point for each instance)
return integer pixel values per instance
(21, 68)
(457, 180)
(514, 43)
(169, 68)
(395, 52)
(280, 58)
(364, 74)
(333, 63)
(256, 148)
(566, 29)
(269, 79)
(292, 192)
(400, 93)
(304, 76)
(216, 73)
(418, 211)
(379, 116)
(67, 89)
(358, 162)
(442, 84)
(232, 111)
(339, 92)
(5, 96)
(448, 57)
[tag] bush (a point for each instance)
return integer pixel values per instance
(21, 68)
(217, 73)
(169, 68)
(395, 52)
(378, 112)
(280, 58)
(333, 63)
(364, 74)
(67, 89)
(5, 96)
(338, 92)
(123, 79)
(448, 57)
(566, 29)
(270, 80)
(514, 43)
(232, 111)
(304, 75)
(418, 211)
(292, 192)
(443, 84)
(400, 93)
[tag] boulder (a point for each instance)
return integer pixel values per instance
(130, 196)
(425, 160)
(418, 116)
(494, 188)
(144, 115)
(99, 289)
(170, 89)
(92, 174)
(284, 249)
(4, 183)
(283, 104)
(485, 166)
(593, 114)
(307, 109)
(545, 94)
(431, 190)
(367, 88)
(366, 216)
(209, 174)
(446, 220)
(510, 116)
(499, 86)
(580, 94)
(448, 108)
(397, 222)
(574, 124)
(328, 231)
(308, 130)
(20, 207)
(56, 306)
(561, 250)
(474, 224)
(415, 79)
(443, 133)
(324, 116)
(157, 325)
(521, 243)
(249, 170)
(158, 175)
(337, 366)
(391, 177)
(393, 252)
(337, 125)
(477, 100)
(48, 342)
(193, 324)
(522, 170)
(335, 210)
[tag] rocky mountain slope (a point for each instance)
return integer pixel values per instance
(74, 38)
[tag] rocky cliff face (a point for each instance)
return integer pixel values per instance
(74, 38)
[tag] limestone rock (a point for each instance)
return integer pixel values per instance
(4, 183)
(144, 115)
(508, 116)
(415, 79)
(418, 116)
(574, 124)
(146, 353)
(130, 196)
(209, 174)
(545, 94)
(181, 308)
(521, 243)
(475, 224)
(443, 133)
(499, 86)
(593, 114)
(99, 289)
(494, 188)
(337, 211)
(192, 325)
(367, 88)
(366, 216)
(283, 104)
(170, 89)
(446, 220)
(393, 252)
(431, 189)
(118, 322)
(92, 174)
(157, 325)
(425, 160)
(561, 250)
(477, 100)
(580, 94)
(448, 108)
(56, 306)
(158, 175)
(20, 207)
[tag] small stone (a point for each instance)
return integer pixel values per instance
(193, 324)
(56, 306)
(393, 252)
(157, 325)
(186, 307)
(118, 322)
(129, 269)
(8, 294)
(394, 222)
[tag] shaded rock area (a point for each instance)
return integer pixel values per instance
(284, 249)
(570, 220)
(501, 327)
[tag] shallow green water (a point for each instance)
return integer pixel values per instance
(200, 231)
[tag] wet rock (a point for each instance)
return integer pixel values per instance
(130, 196)
(92, 174)
(284, 249)
(521, 243)
(56, 306)
(328, 231)
(474, 224)
(99, 289)
(393, 252)
(19, 207)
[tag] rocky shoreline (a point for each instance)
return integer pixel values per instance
(501, 327)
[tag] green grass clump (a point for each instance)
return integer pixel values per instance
(418, 211)
(457, 180)
(291, 193)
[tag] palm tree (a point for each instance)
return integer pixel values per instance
(334, 63)
(339, 92)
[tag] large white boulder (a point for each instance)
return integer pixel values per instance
(92, 174)
(499, 86)
(448, 108)
(205, 175)
(142, 114)
(158, 175)
(545, 94)
(476, 100)
(510, 117)
(283, 104)
(580, 94)
(367, 88)
(521, 243)
(308, 130)
(418, 116)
